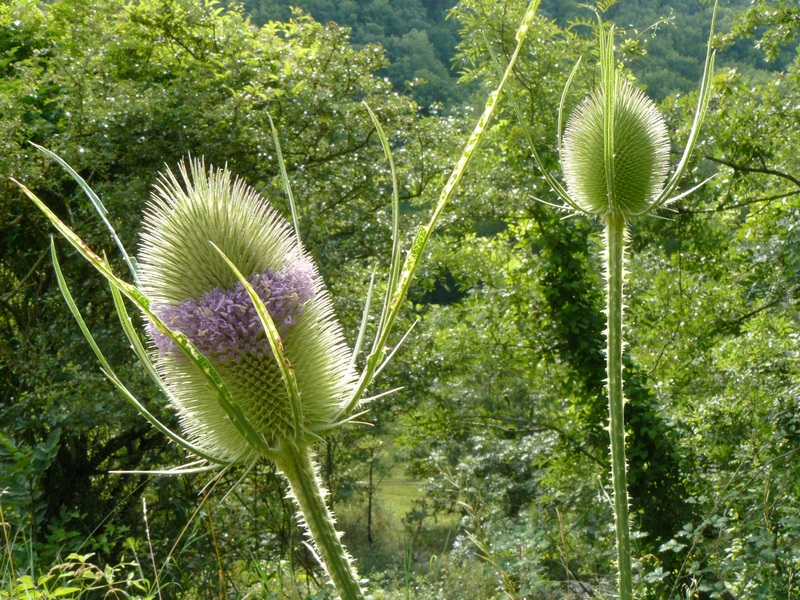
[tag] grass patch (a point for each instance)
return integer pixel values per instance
(398, 527)
(399, 496)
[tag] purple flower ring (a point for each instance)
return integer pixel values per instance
(224, 324)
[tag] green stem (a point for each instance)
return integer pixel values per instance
(615, 274)
(299, 469)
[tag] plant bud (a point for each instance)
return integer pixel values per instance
(194, 291)
(640, 153)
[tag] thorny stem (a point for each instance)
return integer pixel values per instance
(615, 274)
(299, 469)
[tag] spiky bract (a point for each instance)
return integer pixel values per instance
(194, 291)
(640, 153)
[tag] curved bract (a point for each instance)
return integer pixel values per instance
(189, 225)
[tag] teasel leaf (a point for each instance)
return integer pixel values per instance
(98, 205)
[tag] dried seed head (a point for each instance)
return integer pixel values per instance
(194, 291)
(640, 153)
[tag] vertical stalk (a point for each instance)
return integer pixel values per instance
(615, 274)
(296, 465)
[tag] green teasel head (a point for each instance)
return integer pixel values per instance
(615, 148)
(193, 223)
(619, 168)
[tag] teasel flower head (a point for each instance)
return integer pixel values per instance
(631, 182)
(615, 149)
(192, 224)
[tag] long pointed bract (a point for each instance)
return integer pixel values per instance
(109, 372)
(414, 254)
(98, 205)
(702, 106)
(287, 186)
(275, 343)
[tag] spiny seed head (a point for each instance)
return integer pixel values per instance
(194, 291)
(640, 153)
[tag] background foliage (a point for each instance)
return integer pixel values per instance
(486, 474)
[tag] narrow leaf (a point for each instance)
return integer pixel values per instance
(98, 205)
(394, 264)
(81, 246)
(362, 330)
(287, 187)
(109, 372)
(704, 97)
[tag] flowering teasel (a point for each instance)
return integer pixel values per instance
(256, 364)
(184, 289)
(188, 231)
(614, 155)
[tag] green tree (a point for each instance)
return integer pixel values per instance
(420, 42)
